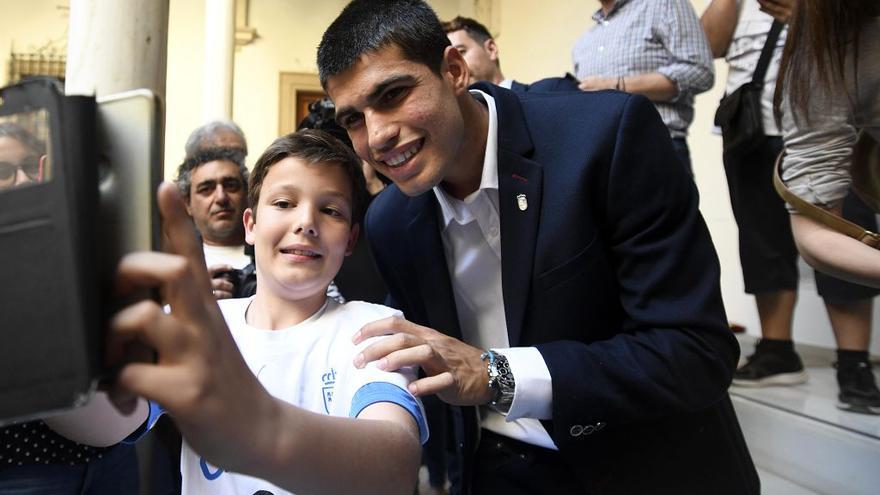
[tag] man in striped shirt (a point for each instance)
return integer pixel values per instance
(655, 48)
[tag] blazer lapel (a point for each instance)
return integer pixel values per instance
(429, 259)
(519, 204)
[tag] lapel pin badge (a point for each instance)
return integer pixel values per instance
(522, 202)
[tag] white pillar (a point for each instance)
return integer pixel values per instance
(219, 58)
(116, 45)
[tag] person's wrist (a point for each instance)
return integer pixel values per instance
(500, 381)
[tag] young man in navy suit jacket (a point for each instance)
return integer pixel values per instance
(554, 270)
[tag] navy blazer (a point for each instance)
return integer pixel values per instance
(549, 84)
(611, 274)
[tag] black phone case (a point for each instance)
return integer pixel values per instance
(50, 324)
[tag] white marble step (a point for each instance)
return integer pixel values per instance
(800, 440)
(771, 484)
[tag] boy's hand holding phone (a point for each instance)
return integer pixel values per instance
(199, 376)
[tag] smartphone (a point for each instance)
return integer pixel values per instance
(63, 233)
(130, 154)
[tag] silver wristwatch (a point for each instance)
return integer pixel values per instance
(501, 381)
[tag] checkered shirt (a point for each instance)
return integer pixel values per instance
(645, 36)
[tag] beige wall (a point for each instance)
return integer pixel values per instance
(289, 32)
(29, 26)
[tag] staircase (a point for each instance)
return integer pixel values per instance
(801, 443)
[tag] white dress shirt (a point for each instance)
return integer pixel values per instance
(472, 242)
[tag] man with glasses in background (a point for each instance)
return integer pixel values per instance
(22, 156)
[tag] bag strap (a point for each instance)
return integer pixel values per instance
(766, 53)
(865, 170)
(821, 215)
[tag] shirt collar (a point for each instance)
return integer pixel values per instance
(489, 179)
(599, 16)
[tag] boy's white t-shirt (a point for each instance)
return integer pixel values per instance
(308, 365)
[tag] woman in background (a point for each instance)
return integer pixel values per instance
(830, 77)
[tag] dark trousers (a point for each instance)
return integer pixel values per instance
(834, 290)
(766, 246)
(511, 467)
(165, 451)
(434, 451)
(684, 154)
(115, 473)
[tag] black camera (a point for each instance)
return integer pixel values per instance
(244, 280)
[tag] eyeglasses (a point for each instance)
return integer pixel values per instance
(31, 166)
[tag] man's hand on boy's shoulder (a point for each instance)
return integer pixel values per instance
(454, 369)
(199, 375)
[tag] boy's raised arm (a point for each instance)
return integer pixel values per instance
(221, 409)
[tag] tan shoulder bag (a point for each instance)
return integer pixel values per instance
(865, 173)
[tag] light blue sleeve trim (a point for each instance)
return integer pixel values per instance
(374, 392)
(156, 411)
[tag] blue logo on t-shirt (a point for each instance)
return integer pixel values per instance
(329, 380)
(206, 470)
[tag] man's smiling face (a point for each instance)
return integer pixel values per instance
(404, 119)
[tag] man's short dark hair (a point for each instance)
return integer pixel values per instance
(365, 26)
(185, 170)
(473, 28)
(314, 147)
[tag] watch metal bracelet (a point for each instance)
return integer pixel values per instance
(501, 381)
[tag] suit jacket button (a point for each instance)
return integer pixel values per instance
(576, 430)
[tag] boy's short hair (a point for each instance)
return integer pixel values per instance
(365, 26)
(315, 147)
(185, 169)
(473, 28)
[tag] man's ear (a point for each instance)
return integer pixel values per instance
(492, 49)
(457, 69)
(352, 239)
(250, 220)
